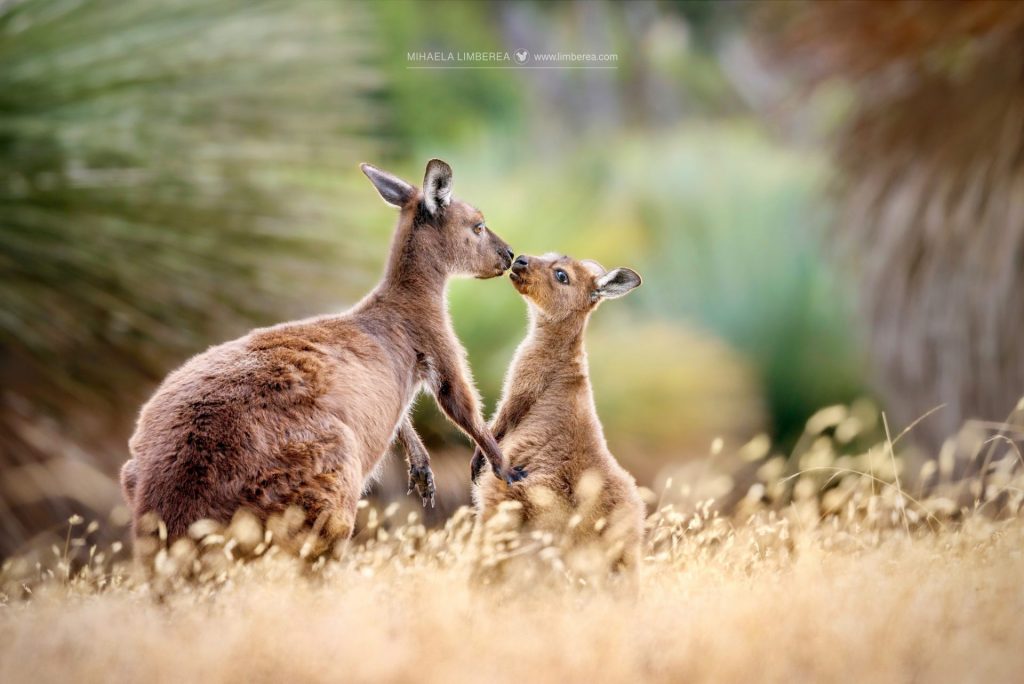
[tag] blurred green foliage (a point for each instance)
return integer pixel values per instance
(426, 108)
(738, 225)
(152, 176)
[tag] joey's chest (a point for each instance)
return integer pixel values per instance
(546, 427)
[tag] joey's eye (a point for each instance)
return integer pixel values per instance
(478, 228)
(561, 276)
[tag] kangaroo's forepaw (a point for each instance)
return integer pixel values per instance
(515, 474)
(421, 478)
(477, 466)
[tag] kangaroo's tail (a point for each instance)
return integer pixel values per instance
(129, 479)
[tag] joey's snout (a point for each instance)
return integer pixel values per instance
(519, 268)
(519, 275)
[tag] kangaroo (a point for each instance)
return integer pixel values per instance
(301, 413)
(546, 422)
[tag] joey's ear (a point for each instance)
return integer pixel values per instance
(393, 189)
(437, 185)
(616, 283)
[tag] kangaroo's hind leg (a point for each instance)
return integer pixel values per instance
(328, 501)
(323, 478)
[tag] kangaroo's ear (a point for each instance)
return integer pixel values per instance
(393, 189)
(437, 185)
(616, 283)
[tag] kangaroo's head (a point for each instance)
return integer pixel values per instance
(439, 231)
(560, 287)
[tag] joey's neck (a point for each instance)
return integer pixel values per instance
(558, 345)
(563, 337)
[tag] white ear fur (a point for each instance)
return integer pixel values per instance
(595, 268)
(616, 283)
(392, 189)
(437, 185)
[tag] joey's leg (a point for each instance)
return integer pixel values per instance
(421, 478)
(459, 403)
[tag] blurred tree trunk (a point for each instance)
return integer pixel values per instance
(933, 195)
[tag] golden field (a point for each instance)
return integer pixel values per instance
(833, 573)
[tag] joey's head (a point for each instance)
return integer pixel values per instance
(439, 231)
(560, 287)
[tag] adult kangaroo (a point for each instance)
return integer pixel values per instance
(301, 413)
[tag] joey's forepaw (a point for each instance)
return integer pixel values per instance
(421, 478)
(515, 474)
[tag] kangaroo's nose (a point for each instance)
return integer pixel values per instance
(511, 254)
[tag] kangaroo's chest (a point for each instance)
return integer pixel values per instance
(424, 370)
(372, 390)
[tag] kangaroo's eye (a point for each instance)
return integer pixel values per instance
(478, 228)
(561, 276)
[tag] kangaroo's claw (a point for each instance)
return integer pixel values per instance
(421, 478)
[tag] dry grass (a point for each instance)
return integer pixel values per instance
(835, 573)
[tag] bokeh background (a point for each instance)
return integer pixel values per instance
(826, 201)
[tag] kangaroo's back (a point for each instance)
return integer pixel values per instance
(262, 422)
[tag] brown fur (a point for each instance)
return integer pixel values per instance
(547, 424)
(301, 413)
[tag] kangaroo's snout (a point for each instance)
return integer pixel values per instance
(502, 251)
(506, 255)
